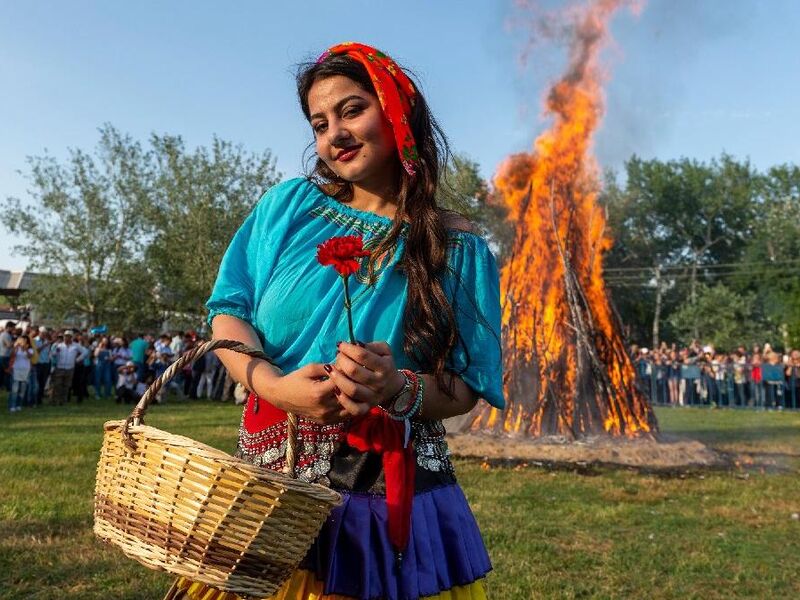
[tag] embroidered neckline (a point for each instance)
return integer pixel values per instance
(370, 220)
(366, 221)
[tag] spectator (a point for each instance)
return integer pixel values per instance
(44, 343)
(20, 368)
(739, 362)
(138, 355)
(160, 365)
(65, 355)
(141, 386)
(103, 370)
(32, 389)
(162, 344)
(177, 344)
(120, 352)
(773, 379)
(126, 383)
(793, 379)
(6, 347)
(673, 376)
(82, 373)
(205, 385)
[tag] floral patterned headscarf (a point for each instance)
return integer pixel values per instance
(395, 92)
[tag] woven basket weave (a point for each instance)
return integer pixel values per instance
(175, 504)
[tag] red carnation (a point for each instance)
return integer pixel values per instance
(341, 253)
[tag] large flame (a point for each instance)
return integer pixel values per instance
(567, 371)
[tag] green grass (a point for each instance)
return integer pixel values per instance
(551, 534)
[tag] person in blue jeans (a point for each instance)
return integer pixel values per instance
(103, 370)
(20, 370)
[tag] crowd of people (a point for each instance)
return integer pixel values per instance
(41, 365)
(702, 375)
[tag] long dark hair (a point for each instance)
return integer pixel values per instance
(430, 330)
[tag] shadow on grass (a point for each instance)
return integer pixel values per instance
(752, 433)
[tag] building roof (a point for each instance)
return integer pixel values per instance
(13, 283)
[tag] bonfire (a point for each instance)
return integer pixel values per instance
(567, 372)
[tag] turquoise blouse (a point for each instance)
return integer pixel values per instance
(270, 278)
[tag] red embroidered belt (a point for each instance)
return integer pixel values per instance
(262, 441)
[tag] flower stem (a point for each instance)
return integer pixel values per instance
(347, 308)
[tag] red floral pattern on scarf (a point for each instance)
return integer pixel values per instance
(395, 91)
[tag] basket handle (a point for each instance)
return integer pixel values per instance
(137, 414)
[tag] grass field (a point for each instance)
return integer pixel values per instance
(551, 534)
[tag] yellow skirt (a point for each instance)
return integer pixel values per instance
(303, 585)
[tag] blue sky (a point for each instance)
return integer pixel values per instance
(687, 77)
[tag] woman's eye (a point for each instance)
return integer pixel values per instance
(351, 111)
(319, 128)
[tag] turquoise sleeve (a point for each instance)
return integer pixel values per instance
(252, 253)
(473, 284)
(234, 290)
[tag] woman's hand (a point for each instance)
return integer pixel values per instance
(305, 393)
(365, 376)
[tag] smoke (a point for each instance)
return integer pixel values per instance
(650, 47)
(648, 64)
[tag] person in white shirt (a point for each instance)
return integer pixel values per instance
(6, 344)
(177, 344)
(65, 355)
(20, 370)
(126, 383)
(162, 344)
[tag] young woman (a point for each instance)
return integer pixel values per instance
(673, 376)
(103, 370)
(426, 312)
(20, 369)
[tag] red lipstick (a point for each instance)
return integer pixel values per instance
(348, 153)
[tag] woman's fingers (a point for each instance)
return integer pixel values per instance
(350, 388)
(363, 356)
(379, 348)
(352, 408)
(355, 371)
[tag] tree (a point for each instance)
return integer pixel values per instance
(83, 225)
(636, 266)
(675, 223)
(462, 189)
(131, 235)
(196, 202)
(719, 316)
(770, 266)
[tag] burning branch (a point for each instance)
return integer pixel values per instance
(566, 369)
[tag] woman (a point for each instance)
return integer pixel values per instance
(103, 370)
(673, 376)
(20, 368)
(427, 299)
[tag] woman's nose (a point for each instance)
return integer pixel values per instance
(338, 133)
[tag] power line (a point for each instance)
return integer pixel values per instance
(715, 276)
(683, 267)
(743, 277)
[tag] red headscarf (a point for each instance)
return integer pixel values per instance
(395, 92)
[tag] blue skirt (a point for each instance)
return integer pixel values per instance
(354, 557)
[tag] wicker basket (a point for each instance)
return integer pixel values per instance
(174, 504)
